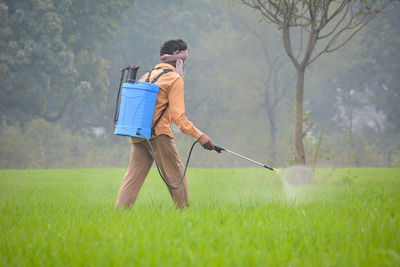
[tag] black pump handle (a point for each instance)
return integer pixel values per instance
(116, 114)
(131, 78)
(132, 73)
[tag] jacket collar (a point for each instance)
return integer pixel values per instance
(165, 66)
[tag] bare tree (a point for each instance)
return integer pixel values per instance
(330, 23)
(274, 88)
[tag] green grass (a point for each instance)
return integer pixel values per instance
(237, 217)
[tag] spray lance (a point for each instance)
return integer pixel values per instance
(220, 149)
(135, 110)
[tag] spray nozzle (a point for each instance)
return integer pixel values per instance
(219, 149)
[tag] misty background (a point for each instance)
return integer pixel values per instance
(60, 68)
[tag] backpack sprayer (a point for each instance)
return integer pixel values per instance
(134, 113)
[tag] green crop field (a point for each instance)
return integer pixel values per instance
(237, 217)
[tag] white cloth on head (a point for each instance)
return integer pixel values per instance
(178, 57)
(180, 67)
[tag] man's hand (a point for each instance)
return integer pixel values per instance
(206, 142)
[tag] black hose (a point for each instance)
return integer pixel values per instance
(155, 159)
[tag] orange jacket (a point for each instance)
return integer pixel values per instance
(171, 91)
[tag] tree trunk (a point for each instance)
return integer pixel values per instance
(272, 131)
(298, 133)
(270, 110)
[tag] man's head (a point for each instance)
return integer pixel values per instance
(171, 46)
(174, 52)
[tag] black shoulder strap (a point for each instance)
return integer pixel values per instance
(148, 77)
(159, 118)
(161, 74)
(166, 106)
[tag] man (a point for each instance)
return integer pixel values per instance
(170, 107)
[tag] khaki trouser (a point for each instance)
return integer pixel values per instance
(140, 163)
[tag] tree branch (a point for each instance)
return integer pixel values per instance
(336, 26)
(287, 45)
(264, 47)
(365, 19)
(60, 114)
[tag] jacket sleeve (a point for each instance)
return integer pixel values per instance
(177, 109)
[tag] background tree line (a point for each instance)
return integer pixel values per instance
(60, 65)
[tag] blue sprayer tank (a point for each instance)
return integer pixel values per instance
(136, 108)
